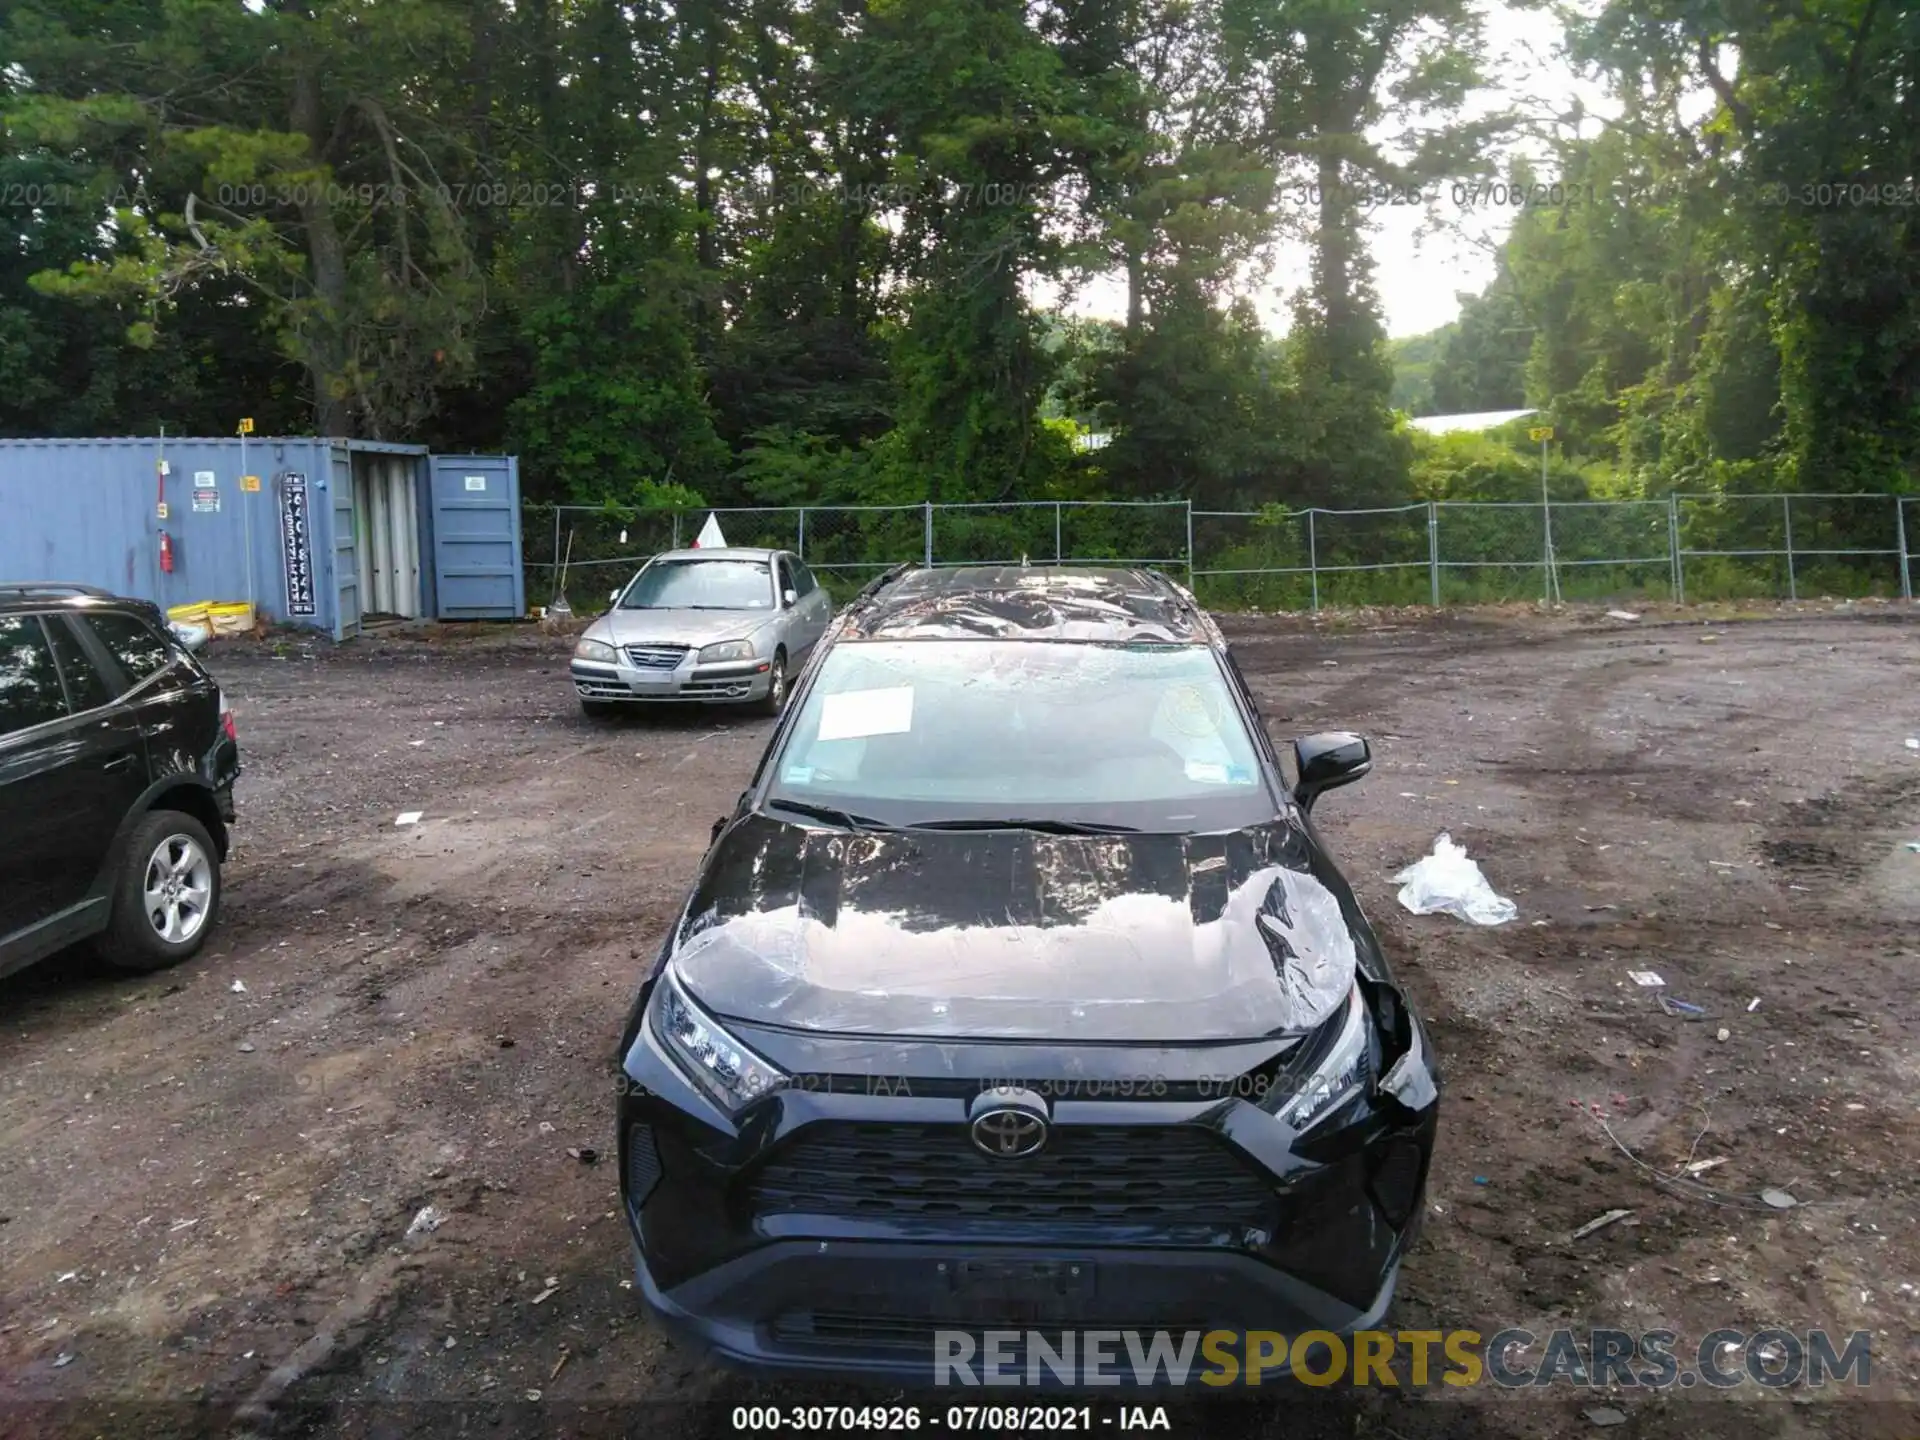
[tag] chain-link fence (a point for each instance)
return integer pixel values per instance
(1706, 547)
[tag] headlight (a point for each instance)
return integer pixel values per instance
(732, 1075)
(727, 650)
(1344, 1070)
(594, 650)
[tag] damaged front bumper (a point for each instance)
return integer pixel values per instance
(843, 1224)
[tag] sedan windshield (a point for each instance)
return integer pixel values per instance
(1044, 735)
(701, 585)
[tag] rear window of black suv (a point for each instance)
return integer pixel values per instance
(141, 650)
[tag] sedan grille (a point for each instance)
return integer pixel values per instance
(656, 657)
(1165, 1175)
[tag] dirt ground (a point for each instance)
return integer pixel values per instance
(205, 1189)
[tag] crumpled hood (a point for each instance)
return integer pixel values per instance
(677, 627)
(1016, 935)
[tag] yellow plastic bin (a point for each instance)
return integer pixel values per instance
(235, 618)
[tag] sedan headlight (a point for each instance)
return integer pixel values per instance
(731, 1075)
(1344, 1069)
(727, 650)
(594, 650)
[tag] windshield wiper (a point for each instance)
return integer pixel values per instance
(1045, 827)
(844, 818)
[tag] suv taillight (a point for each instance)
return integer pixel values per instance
(226, 719)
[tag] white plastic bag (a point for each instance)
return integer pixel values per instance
(1448, 883)
(191, 636)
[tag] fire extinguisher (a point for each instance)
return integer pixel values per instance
(166, 553)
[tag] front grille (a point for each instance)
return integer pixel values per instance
(920, 1334)
(1161, 1175)
(656, 657)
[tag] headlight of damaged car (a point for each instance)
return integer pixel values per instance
(732, 1075)
(594, 650)
(1343, 1070)
(727, 650)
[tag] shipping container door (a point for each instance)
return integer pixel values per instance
(476, 538)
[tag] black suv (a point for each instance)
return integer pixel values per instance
(1018, 989)
(117, 763)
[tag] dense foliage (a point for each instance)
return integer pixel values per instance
(784, 251)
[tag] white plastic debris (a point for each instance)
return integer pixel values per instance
(408, 817)
(1648, 979)
(1447, 882)
(1913, 742)
(1622, 615)
(239, 987)
(430, 1219)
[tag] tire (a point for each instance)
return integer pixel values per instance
(775, 700)
(599, 709)
(170, 870)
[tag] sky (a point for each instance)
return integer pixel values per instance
(1419, 275)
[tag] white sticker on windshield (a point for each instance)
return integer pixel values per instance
(1207, 771)
(854, 714)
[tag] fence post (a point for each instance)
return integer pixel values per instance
(1786, 509)
(1673, 550)
(1433, 550)
(1056, 532)
(1190, 581)
(676, 529)
(1313, 560)
(1679, 556)
(802, 551)
(1906, 563)
(928, 531)
(556, 550)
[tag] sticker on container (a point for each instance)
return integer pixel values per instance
(855, 714)
(476, 482)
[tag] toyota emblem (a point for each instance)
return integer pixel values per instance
(1007, 1133)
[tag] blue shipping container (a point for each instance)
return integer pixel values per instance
(312, 532)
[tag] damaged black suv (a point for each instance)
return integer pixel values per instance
(1018, 990)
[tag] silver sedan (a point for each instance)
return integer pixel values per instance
(716, 626)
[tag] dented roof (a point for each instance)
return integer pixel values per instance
(1015, 602)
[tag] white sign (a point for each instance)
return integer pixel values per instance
(476, 482)
(710, 537)
(204, 480)
(855, 714)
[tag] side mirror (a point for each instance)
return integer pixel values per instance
(787, 598)
(614, 598)
(1327, 761)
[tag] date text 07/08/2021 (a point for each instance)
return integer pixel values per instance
(960, 1419)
